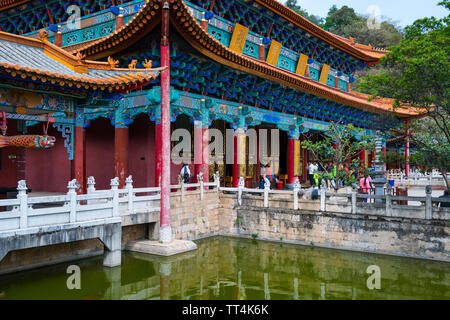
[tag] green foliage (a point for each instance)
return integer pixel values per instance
(393, 158)
(337, 18)
(347, 23)
(255, 236)
(349, 140)
(417, 72)
(292, 4)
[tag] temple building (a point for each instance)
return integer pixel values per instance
(110, 79)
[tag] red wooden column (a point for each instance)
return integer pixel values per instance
(235, 161)
(79, 158)
(165, 232)
(362, 156)
(291, 156)
(158, 147)
(198, 148)
(407, 148)
(372, 158)
(205, 153)
(121, 153)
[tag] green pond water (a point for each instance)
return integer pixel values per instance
(233, 269)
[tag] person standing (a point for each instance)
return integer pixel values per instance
(185, 173)
(311, 168)
(365, 183)
(262, 176)
(445, 196)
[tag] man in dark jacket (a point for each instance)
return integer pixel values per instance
(445, 196)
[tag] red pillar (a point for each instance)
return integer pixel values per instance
(79, 159)
(362, 156)
(290, 156)
(198, 148)
(165, 231)
(121, 155)
(407, 148)
(205, 154)
(235, 162)
(157, 152)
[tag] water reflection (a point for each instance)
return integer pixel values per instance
(234, 269)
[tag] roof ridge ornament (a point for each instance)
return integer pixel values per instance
(147, 64)
(79, 56)
(43, 35)
(113, 63)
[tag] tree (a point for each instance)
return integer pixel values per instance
(417, 73)
(337, 19)
(340, 144)
(292, 4)
(347, 23)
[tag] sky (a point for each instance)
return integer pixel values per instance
(404, 12)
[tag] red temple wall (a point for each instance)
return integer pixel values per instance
(100, 152)
(8, 167)
(50, 170)
(47, 169)
(141, 152)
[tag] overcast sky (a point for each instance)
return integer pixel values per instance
(404, 12)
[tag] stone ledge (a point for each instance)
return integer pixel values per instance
(161, 249)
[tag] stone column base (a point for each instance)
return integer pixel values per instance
(161, 249)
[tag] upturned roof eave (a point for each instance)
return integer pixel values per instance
(149, 16)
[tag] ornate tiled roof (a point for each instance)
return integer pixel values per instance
(5, 4)
(41, 60)
(370, 56)
(150, 15)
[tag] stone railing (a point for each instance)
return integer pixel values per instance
(29, 212)
(417, 178)
(351, 203)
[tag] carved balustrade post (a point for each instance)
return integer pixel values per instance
(115, 196)
(23, 197)
(72, 193)
(129, 187)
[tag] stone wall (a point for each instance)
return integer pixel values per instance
(411, 237)
(191, 219)
(219, 214)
